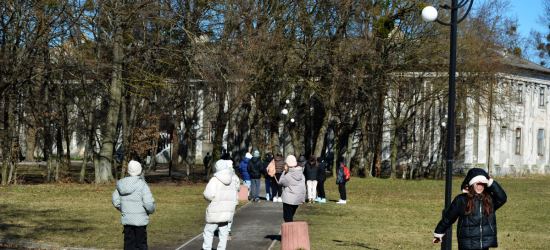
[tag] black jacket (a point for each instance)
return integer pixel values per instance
(474, 231)
(311, 172)
(321, 171)
(264, 166)
(340, 178)
(254, 168)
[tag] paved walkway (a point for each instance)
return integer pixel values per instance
(255, 226)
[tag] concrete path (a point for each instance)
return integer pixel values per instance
(255, 226)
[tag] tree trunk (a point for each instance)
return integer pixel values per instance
(47, 131)
(323, 133)
(30, 140)
(307, 125)
(6, 150)
(89, 137)
(394, 153)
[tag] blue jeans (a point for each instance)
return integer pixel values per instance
(255, 188)
(247, 183)
(268, 188)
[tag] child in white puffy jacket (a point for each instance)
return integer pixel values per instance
(222, 194)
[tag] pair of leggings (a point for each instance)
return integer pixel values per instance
(268, 186)
(321, 189)
(311, 189)
(342, 189)
(255, 189)
(135, 237)
(277, 189)
(289, 211)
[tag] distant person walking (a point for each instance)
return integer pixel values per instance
(311, 173)
(254, 169)
(294, 194)
(268, 179)
(279, 167)
(135, 202)
(341, 180)
(222, 194)
(206, 159)
(475, 211)
(244, 172)
(321, 178)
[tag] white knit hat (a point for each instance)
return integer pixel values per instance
(134, 168)
(248, 155)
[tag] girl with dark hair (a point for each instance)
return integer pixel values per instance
(311, 178)
(475, 211)
(279, 168)
(321, 178)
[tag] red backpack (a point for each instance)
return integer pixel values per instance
(347, 175)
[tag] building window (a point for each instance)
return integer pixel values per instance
(520, 93)
(213, 93)
(539, 141)
(403, 94)
(211, 132)
(541, 97)
(402, 140)
(518, 141)
(457, 139)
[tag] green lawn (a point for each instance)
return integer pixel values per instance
(83, 216)
(397, 214)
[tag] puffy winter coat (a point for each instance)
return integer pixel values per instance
(221, 193)
(311, 171)
(295, 187)
(476, 230)
(254, 168)
(279, 164)
(134, 200)
(264, 166)
(243, 169)
(340, 176)
(321, 172)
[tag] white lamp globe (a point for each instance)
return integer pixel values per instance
(285, 111)
(443, 124)
(287, 101)
(429, 14)
(292, 120)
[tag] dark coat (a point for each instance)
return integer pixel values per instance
(474, 231)
(311, 172)
(254, 168)
(321, 171)
(340, 176)
(264, 166)
(279, 164)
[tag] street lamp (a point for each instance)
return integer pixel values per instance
(285, 112)
(429, 14)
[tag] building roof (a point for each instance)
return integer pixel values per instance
(518, 62)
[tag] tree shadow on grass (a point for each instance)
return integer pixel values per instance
(29, 224)
(354, 244)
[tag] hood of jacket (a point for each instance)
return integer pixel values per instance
(471, 174)
(224, 176)
(296, 173)
(268, 159)
(129, 184)
(302, 161)
(246, 160)
(255, 160)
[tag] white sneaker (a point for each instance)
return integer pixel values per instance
(341, 202)
(280, 199)
(267, 196)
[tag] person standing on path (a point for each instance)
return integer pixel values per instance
(254, 169)
(244, 172)
(311, 178)
(268, 179)
(279, 167)
(294, 194)
(321, 178)
(135, 202)
(475, 211)
(341, 180)
(226, 158)
(222, 194)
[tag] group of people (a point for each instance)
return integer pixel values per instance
(477, 228)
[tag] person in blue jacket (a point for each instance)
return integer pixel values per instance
(244, 172)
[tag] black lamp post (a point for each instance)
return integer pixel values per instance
(429, 14)
(285, 112)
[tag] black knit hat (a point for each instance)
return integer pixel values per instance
(225, 156)
(472, 173)
(319, 159)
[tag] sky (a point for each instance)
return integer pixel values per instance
(527, 12)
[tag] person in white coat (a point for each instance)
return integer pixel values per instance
(222, 194)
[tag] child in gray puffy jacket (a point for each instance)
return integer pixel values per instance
(135, 202)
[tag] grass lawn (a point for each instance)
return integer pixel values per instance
(397, 214)
(82, 215)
